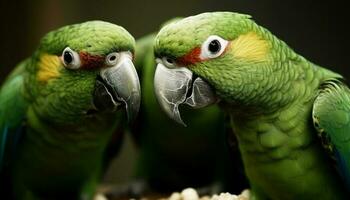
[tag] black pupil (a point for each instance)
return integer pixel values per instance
(68, 57)
(214, 46)
(169, 60)
(112, 58)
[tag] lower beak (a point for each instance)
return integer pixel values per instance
(118, 85)
(176, 86)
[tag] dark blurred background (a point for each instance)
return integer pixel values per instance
(315, 29)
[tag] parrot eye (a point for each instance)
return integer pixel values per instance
(213, 47)
(71, 59)
(112, 59)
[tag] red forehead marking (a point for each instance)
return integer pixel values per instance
(89, 61)
(190, 58)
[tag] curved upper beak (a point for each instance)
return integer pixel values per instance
(177, 86)
(117, 85)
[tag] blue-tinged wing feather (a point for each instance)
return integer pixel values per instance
(12, 112)
(3, 144)
(331, 116)
(343, 166)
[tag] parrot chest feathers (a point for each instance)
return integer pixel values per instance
(90, 129)
(272, 133)
(71, 144)
(270, 145)
(63, 157)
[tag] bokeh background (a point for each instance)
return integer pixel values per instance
(315, 29)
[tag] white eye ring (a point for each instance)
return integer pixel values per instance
(213, 47)
(70, 59)
(168, 62)
(112, 59)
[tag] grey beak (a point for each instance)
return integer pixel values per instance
(122, 84)
(173, 87)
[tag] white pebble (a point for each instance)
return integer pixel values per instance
(225, 196)
(175, 196)
(100, 197)
(205, 198)
(244, 195)
(189, 194)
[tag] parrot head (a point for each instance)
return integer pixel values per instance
(211, 57)
(83, 69)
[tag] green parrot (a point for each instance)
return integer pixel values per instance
(291, 117)
(60, 109)
(173, 157)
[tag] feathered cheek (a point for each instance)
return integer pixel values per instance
(48, 67)
(249, 47)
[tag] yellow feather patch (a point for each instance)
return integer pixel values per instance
(49, 66)
(249, 46)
